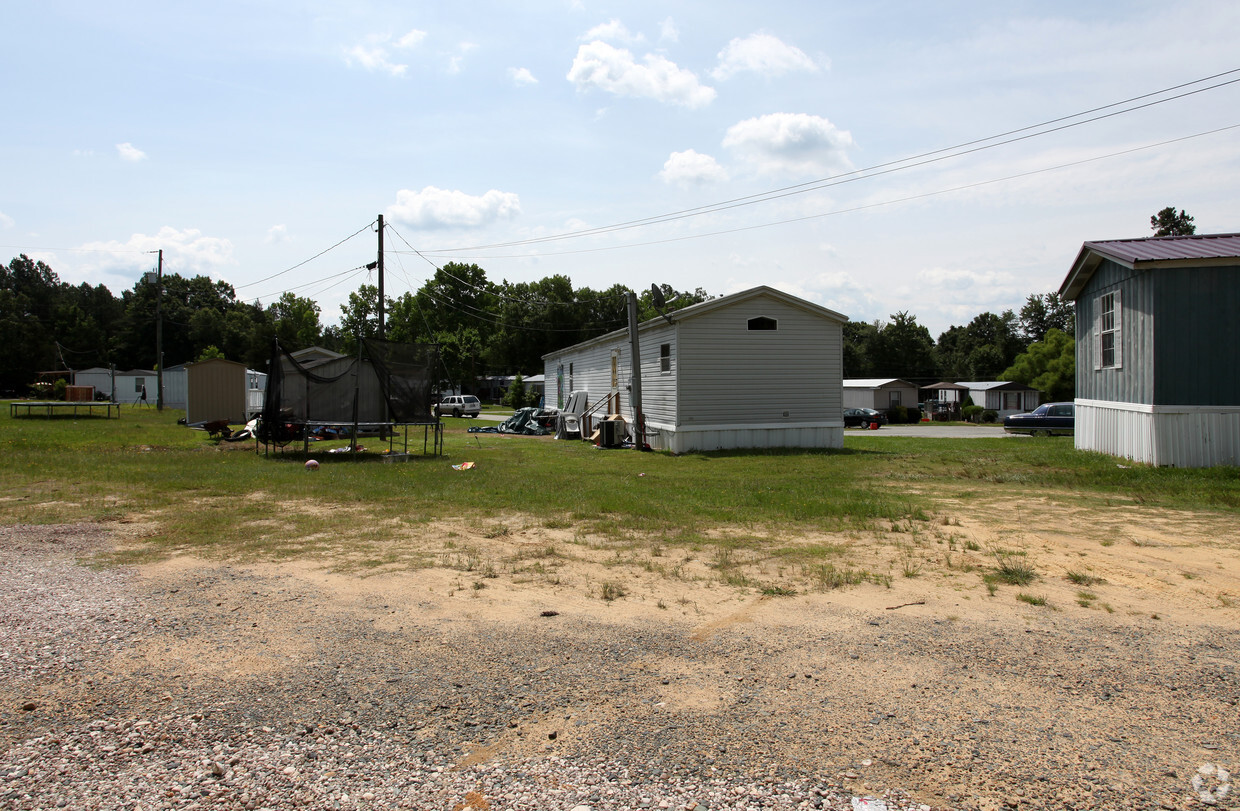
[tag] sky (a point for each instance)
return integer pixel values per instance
(246, 140)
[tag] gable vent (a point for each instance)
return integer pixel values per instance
(762, 323)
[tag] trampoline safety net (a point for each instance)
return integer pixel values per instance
(385, 382)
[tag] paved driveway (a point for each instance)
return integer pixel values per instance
(935, 431)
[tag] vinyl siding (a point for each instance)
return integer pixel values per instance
(730, 374)
(1198, 335)
(1167, 436)
(1133, 382)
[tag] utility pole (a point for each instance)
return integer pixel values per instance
(159, 333)
(639, 421)
(380, 266)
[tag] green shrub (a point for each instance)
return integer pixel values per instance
(971, 412)
(914, 415)
(897, 414)
(516, 396)
(990, 415)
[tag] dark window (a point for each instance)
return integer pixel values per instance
(665, 357)
(762, 323)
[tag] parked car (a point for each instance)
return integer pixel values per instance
(863, 417)
(459, 405)
(1048, 419)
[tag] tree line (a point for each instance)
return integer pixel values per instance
(481, 327)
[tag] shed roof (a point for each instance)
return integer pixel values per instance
(1150, 252)
(876, 383)
(988, 385)
(945, 386)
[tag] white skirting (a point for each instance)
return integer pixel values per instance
(1168, 436)
(684, 439)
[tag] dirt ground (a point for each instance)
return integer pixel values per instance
(1118, 690)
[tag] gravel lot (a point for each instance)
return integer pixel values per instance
(208, 685)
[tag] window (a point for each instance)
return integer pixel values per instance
(139, 383)
(1108, 354)
(762, 323)
(665, 357)
(895, 399)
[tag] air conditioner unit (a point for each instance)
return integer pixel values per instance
(609, 435)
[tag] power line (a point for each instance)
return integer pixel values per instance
(575, 302)
(853, 209)
(877, 170)
(365, 227)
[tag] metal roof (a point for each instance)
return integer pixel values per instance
(1161, 249)
(875, 383)
(1149, 252)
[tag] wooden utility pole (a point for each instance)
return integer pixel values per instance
(379, 264)
(639, 422)
(159, 333)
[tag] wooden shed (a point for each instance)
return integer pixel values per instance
(755, 369)
(215, 390)
(1157, 367)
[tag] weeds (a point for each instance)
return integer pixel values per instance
(1080, 578)
(1010, 569)
(611, 591)
(1031, 599)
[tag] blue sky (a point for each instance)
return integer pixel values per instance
(245, 138)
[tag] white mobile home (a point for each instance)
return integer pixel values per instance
(757, 369)
(1002, 396)
(879, 394)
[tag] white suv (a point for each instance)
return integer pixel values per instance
(459, 405)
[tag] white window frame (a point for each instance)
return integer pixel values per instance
(1108, 332)
(665, 358)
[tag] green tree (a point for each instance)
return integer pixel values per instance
(1167, 223)
(1048, 366)
(210, 353)
(359, 317)
(900, 348)
(1043, 313)
(296, 321)
(516, 395)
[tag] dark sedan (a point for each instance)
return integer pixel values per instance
(1048, 419)
(863, 417)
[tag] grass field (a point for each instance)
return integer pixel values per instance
(224, 500)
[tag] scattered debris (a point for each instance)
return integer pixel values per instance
(464, 466)
(905, 605)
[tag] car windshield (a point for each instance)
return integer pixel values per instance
(1041, 411)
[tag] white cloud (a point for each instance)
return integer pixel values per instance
(129, 152)
(412, 39)
(691, 168)
(614, 70)
(443, 208)
(186, 251)
(454, 64)
(761, 53)
(522, 76)
(83, 153)
(668, 32)
(277, 233)
(374, 56)
(6, 221)
(612, 31)
(790, 143)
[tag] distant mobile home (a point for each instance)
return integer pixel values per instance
(1158, 348)
(1002, 396)
(755, 369)
(880, 394)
